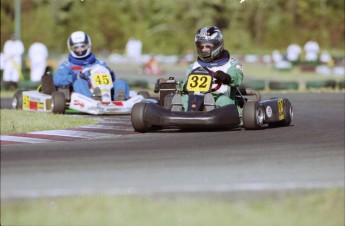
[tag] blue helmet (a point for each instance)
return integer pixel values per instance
(79, 44)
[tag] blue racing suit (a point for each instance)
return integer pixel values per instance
(67, 75)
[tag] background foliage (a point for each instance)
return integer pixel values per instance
(168, 26)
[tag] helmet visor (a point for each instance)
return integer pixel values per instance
(205, 47)
(79, 47)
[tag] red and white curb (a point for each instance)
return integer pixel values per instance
(115, 128)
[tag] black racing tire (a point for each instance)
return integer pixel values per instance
(288, 116)
(145, 94)
(253, 116)
(47, 84)
(321, 84)
(17, 100)
(58, 103)
(137, 118)
(275, 85)
(256, 84)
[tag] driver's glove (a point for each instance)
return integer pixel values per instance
(222, 77)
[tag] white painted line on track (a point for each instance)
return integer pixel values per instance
(110, 127)
(71, 133)
(24, 139)
(247, 187)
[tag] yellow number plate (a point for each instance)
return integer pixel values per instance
(199, 83)
(281, 109)
(102, 79)
(26, 102)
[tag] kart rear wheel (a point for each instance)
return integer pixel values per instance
(288, 116)
(137, 118)
(253, 116)
(17, 100)
(58, 103)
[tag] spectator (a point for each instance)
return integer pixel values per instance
(152, 67)
(311, 49)
(293, 53)
(38, 54)
(133, 49)
(326, 59)
(12, 53)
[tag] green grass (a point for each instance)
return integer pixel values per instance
(19, 121)
(317, 208)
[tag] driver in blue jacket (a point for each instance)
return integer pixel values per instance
(79, 45)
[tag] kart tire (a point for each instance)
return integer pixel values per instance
(17, 100)
(321, 84)
(137, 118)
(47, 84)
(58, 102)
(253, 115)
(288, 116)
(274, 85)
(256, 84)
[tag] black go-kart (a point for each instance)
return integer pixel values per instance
(249, 112)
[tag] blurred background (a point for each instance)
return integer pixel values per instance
(166, 28)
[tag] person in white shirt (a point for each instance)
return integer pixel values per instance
(293, 53)
(12, 53)
(311, 51)
(38, 55)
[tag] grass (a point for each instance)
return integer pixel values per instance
(19, 121)
(313, 208)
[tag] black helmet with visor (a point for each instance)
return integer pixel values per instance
(210, 38)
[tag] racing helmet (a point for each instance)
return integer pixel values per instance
(209, 36)
(79, 44)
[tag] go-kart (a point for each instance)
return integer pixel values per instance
(248, 112)
(48, 98)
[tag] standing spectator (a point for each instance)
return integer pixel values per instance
(13, 51)
(311, 49)
(134, 49)
(152, 67)
(38, 54)
(293, 53)
(326, 58)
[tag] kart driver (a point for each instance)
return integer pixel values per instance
(79, 45)
(213, 57)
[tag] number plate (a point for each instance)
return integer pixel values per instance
(199, 83)
(281, 109)
(101, 79)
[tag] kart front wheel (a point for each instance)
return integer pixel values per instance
(288, 116)
(58, 103)
(17, 100)
(253, 116)
(137, 118)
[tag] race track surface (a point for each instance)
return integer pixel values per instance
(306, 155)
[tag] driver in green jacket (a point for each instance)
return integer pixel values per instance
(213, 57)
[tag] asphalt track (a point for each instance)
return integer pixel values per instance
(110, 158)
